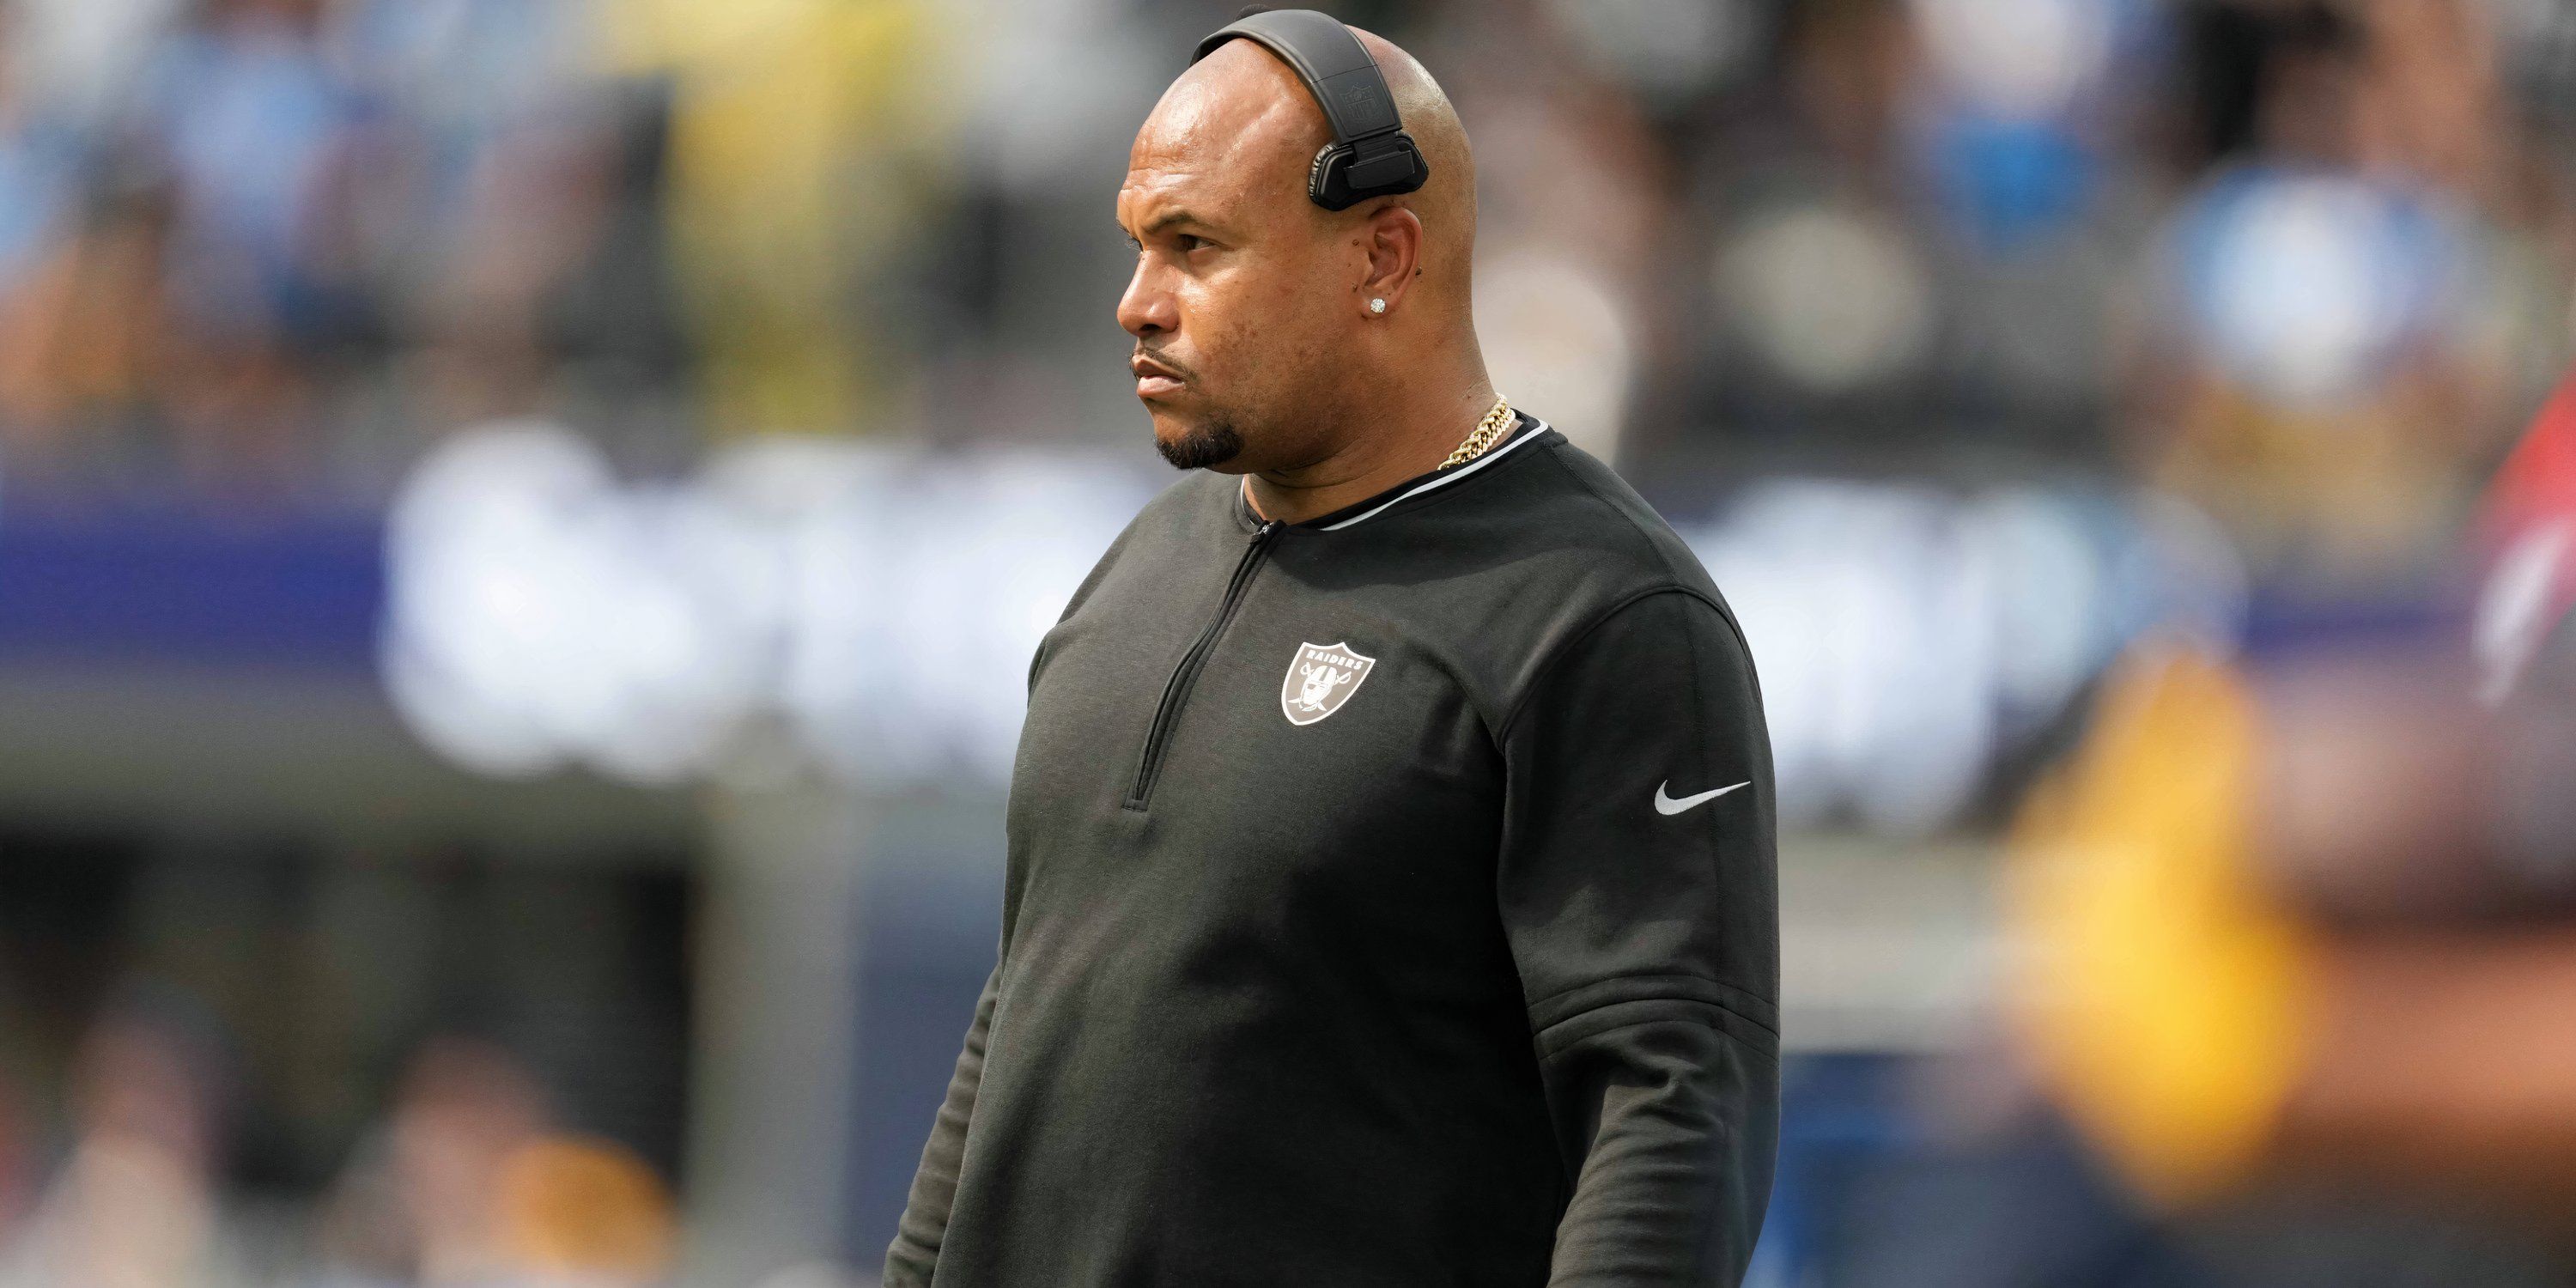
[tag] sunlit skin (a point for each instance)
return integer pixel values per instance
(1256, 351)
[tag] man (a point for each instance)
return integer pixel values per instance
(1391, 893)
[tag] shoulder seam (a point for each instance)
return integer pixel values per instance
(1724, 613)
(1557, 459)
(1671, 584)
(1565, 647)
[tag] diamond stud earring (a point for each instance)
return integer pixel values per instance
(1377, 306)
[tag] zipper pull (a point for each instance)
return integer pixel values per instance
(1269, 528)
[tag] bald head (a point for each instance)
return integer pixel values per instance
(1248, 110)
(1446, 204)
(1251, 305)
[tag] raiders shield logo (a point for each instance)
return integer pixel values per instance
(1320, 680)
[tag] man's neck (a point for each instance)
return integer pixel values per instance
(1404, 444)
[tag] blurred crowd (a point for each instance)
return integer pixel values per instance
(466, 1179)
(2303, 261)
(2296, 272)
(261, 248)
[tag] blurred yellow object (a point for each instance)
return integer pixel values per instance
(807, 137)
(2161, 995)
(584, 1208)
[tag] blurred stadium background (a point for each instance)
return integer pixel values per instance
(522, 525)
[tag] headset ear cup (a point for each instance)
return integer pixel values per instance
(1328, 180)
(1386, 169)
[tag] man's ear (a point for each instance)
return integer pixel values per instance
(1392, 235)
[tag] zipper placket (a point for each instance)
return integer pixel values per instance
(1176, 691)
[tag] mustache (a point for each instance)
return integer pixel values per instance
(1166, 362)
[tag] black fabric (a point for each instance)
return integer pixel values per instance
(1426, 991)
(1522, 423)
(1331, 61)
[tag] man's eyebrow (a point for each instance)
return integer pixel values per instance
(1166, 220)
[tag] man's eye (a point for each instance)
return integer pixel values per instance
(1189, 242)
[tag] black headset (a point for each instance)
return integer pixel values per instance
(1370, 155)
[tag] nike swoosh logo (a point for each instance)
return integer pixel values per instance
(1667, 805)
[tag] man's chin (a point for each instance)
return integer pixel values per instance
(1208, 445)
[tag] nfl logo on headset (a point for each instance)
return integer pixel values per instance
(1320, 680)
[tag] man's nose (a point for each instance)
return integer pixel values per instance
(1147, 307)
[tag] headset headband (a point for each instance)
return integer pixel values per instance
(1370, 155)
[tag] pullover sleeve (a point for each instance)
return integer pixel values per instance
(1638, 889)
(914, 1255)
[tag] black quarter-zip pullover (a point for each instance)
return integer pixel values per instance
(1391, 902)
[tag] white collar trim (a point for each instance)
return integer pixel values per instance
(1443, 480)
(1537, 427)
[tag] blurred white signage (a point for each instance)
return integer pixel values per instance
(881, 605)
(1906, 637)
(881, 602)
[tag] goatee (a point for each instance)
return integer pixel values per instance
(1211, 444)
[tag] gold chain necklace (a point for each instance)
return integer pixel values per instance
(1483, 435)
